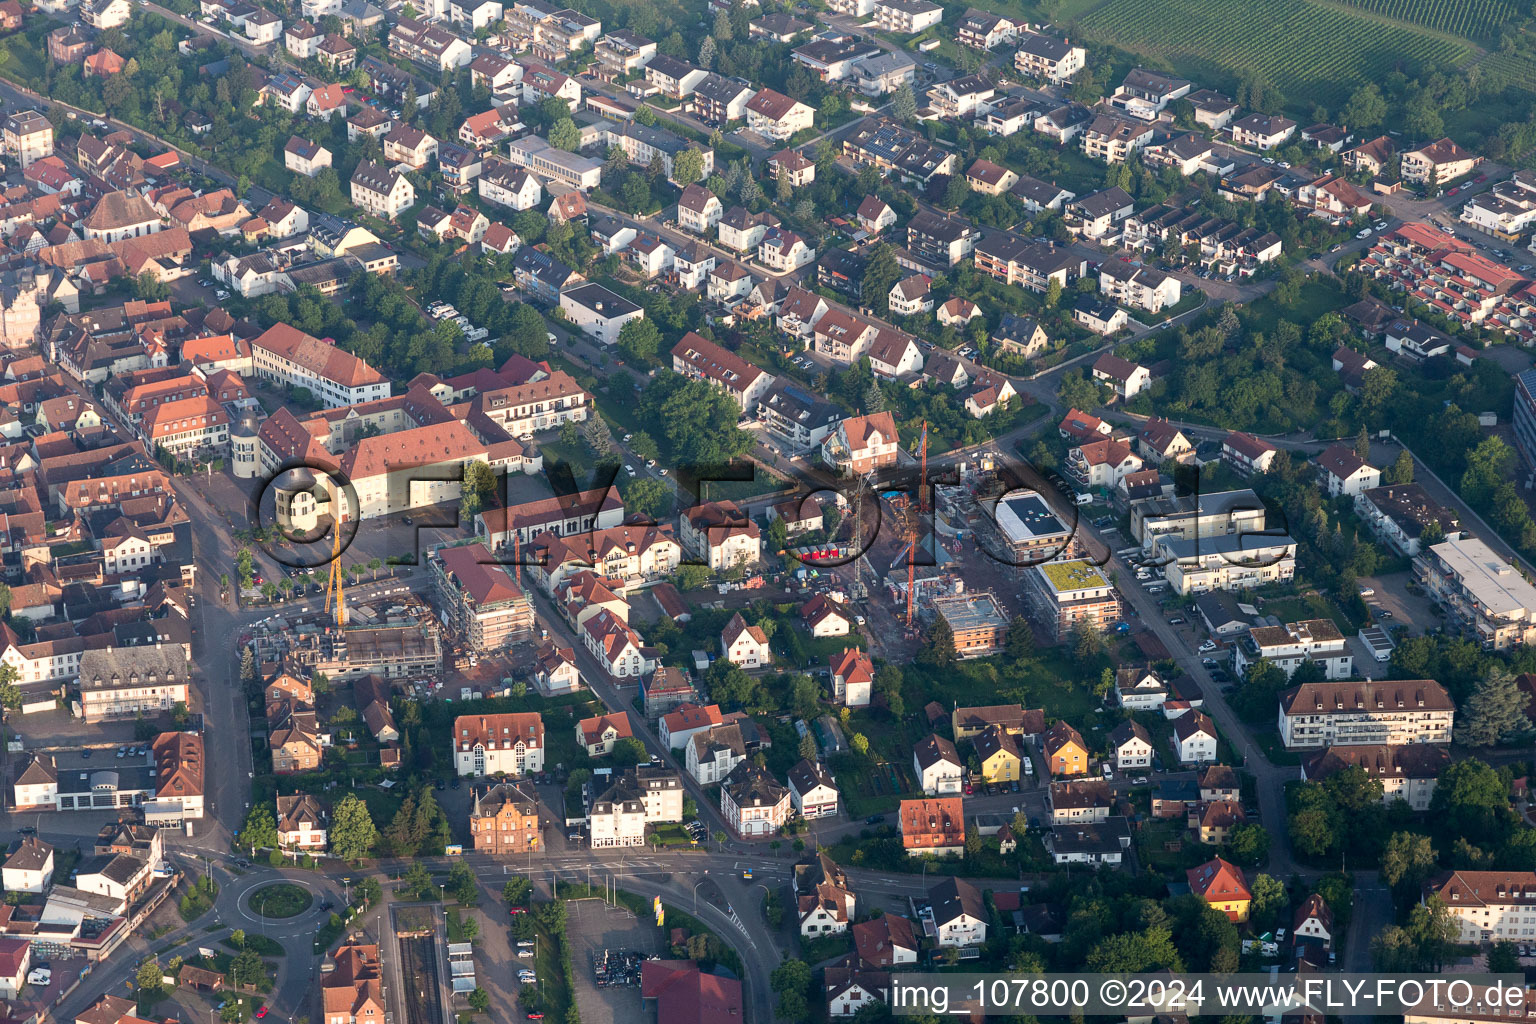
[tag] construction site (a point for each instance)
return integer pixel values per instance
(395, 636)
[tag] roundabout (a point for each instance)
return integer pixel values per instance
(279, 901)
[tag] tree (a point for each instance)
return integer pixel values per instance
(880, 274)
(149, 976)
(564, 134)
(639, 340)
(1021, 639)
(1495, 711)
(807, 748)
(1365, 108)
(480, 1000)
(246, 967)
(1088, 642)
(237, 938)
(1053, 293)
(938, 650)
(367, 891)
(646, 496)
(791, 982)
(479, 490)
(627, 752)
(860, 744)
(352, 832)
(1250, 844)
(887, 687)
(688, 166)
(1504, 958)
(903, 104)
(259, 832)
(150, 288)
(1268, 894)
(707, 53)
(461, 884)
(516, 890)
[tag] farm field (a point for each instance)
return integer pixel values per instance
(1474, 19)
(1329, 51)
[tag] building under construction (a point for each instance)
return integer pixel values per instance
(395, 640)
(976, 620)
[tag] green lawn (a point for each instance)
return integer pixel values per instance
(1294, 609)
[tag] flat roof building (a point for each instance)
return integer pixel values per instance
(976, 620)
(1069, 595)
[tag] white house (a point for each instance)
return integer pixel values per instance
(938, 766)
(745, 646)
(853, 674)
(1140, 689)
(30, 867)
(812, 792)
(599, 312)
(1194, 737)
(959, 915)
(1127, 378)
(1132, 745)
(1344, 472)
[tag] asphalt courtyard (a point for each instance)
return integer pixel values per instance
(593, 926)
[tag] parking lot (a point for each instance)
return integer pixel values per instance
(594, 926)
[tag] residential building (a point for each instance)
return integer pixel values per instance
(1141, 288)
(776, 116)
(1064, 750)
(1089, 842)
(753, 802)
(1345, 473)
(1437, 163)
(889, 940)
(1488, 906)
(381, 191)
(1002, 758)
(1408, 773)
(1077, 801)
(812, 791)
(697, 357)
(853, 675)
(959, 913)
(907, 17)
(678, 726)
(940, 241)
(1114, 141)
(511, 743)
(1194, 738)
(1014, 719)
(1506, 211)
(304, 157)
(504, 820)
(966, 97)
(1484, 595)
(1140, 688)
(745, 646)
(1047, 57)
(1262, 131)
(1230, 562)
(1395, 712)
(301, 828)
(1223, 886)
(599, 312)
(721, 535)
(29, 867)
(1144, 94)
(1404, 517)
(1066, 595)
(1128, 379)
(860, 444)
(352, 991)
(938, 766)
(1247, 454)
(976, 621)
(933, 826)
(698, 210)
(1132, 746)
(1287, 647)
(478, 599)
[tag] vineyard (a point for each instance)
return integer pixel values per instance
(1476, 19)
(1311, 51)
(1509, 70)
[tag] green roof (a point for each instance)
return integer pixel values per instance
(1074, 575)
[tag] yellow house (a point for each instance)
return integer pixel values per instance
(598, 735)
(1223, 886)
(1000, 756)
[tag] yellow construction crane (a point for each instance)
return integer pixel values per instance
(334, 582)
